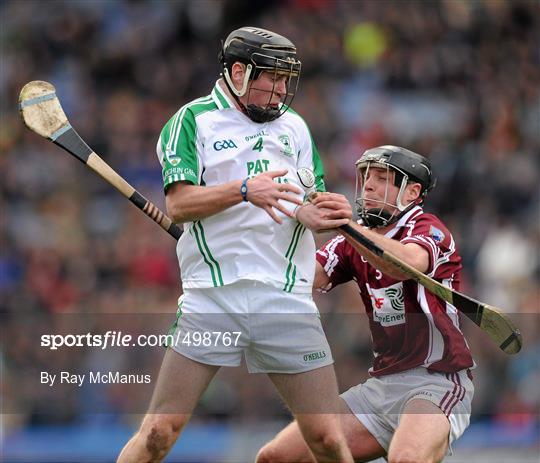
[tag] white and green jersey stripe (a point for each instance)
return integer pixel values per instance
(210, 142)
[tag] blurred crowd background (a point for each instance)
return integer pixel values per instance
(455, 80)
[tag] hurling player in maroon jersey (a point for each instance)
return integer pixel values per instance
(418, 399)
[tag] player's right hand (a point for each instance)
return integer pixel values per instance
(325, 212)
(336, 205)
(265, 193)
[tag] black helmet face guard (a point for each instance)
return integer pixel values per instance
(288, 68)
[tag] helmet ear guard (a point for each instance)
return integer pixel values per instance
(230, 85)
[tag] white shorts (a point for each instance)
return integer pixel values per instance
(278, 332)
(379, 402)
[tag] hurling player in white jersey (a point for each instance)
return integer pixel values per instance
(230, 162)
(418, 399)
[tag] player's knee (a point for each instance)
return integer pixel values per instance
(331, 443)
(159, 433)
(407, 455)
(324, 443)
(268, 454)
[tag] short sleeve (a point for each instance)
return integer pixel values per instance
(308, 155)
(430, 233)
(335, 261)
(177, 149)
(318, 169)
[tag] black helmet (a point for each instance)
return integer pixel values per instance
(260, 50)
(408, 167)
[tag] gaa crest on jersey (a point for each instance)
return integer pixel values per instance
(286, 148)
(388, 304)
(172, 157)
(437, 235)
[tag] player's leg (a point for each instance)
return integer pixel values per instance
(188, 367)
(180, 384)
(436, 412)
(290, 446)
(313, 399)
(422, 434)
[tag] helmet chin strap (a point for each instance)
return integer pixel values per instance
(375, 218)
(258, 114)
(402, 207)
(254, 112)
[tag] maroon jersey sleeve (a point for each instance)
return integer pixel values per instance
(430, 233)
(334, 258)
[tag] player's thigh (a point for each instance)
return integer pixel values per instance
(312, 397)
(290, 446)
(180, 384)
(422, 433)
(309, 392)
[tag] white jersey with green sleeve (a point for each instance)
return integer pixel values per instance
(210, 142)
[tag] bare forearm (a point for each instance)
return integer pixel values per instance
(186, 203)
(411, 254)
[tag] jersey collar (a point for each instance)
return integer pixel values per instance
(220, 98)
(403, 221)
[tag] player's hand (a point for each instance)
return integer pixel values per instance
(326, 211)
(338, 206)
(263, 192)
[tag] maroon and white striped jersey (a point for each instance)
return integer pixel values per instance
(410, 327)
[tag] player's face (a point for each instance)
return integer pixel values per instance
(379, 188)
(380, 191)
(268, 90)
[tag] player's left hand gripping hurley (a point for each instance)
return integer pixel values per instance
(42, 113)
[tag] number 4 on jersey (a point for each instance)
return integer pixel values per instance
(259, 145)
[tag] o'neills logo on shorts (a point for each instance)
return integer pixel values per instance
(314, 356)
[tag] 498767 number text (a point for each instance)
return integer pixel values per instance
(209, 338)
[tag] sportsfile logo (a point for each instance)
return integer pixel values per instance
(224, 145)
